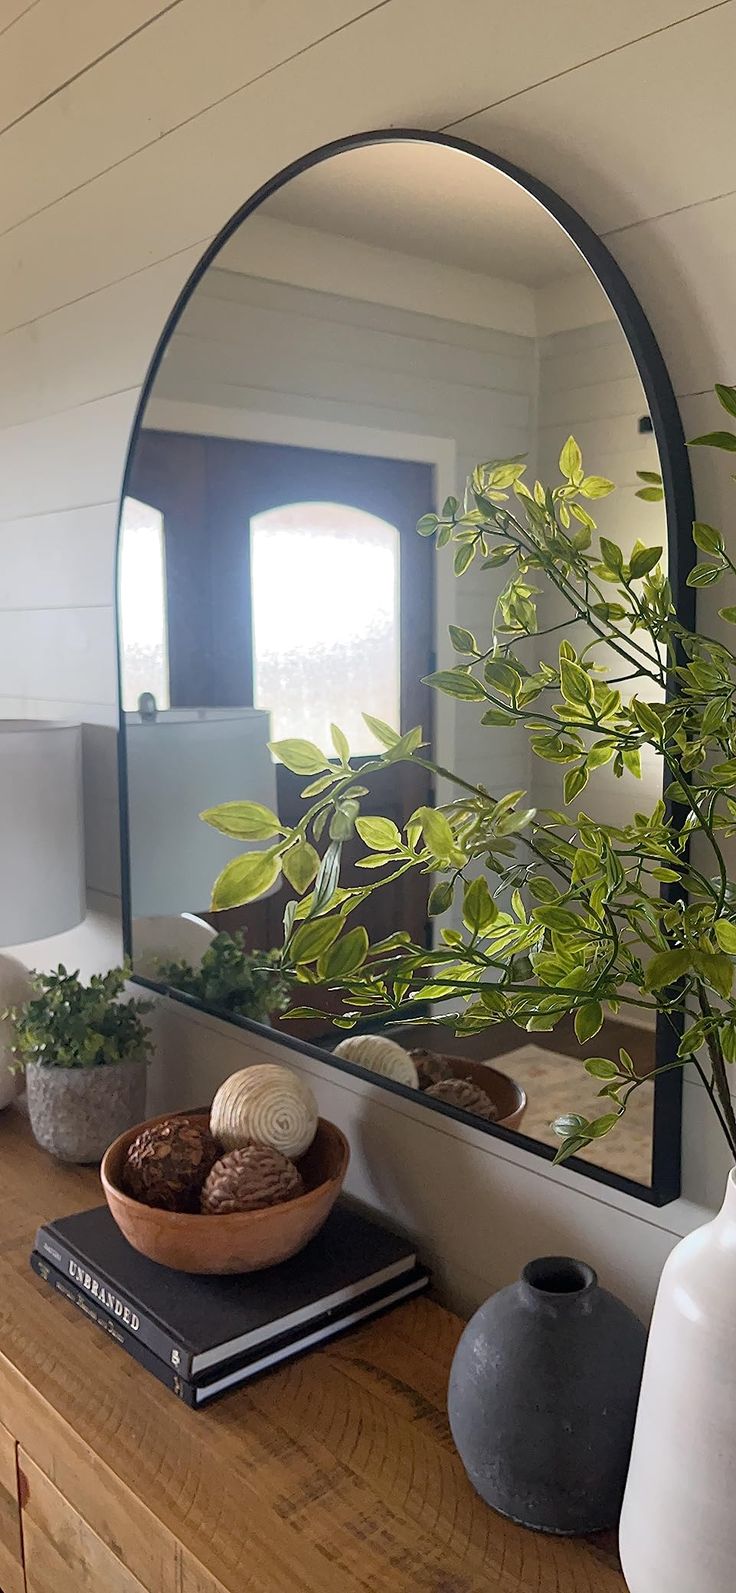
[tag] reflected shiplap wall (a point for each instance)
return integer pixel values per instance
(133, 130)
(589, 386)
(251, 351)
(506, 370)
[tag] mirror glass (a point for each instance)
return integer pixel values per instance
(389, 318)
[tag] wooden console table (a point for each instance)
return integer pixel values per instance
(336, 1474)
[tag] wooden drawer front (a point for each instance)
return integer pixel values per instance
(62, 1553)
(11, 1561)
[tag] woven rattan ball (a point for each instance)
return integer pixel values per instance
(265, 1105)
(378, 1055)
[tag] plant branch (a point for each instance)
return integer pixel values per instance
(718, 1065)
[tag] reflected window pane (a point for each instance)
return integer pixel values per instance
(325, 585)
(143, 630)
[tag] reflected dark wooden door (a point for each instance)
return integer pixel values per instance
(211, 492)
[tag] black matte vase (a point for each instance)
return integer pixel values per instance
(542, 1398)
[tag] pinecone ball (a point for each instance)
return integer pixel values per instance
(431, 1067)
(167, 1164)
(462, 1093)
(248, 1179)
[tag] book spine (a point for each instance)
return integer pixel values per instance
(127, 1341)
(102, 1293)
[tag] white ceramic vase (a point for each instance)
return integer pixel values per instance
(15, 988)
(678, 1524)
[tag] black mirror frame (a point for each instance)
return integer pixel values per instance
(675, 468)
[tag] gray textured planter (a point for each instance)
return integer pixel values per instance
(542, 1398)
(76, 1112)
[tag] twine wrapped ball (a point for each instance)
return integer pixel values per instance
(431, 1067)
(249, 1179)
(168, 1163)
(265, 1105)
(380, 1056)
(466, 1095)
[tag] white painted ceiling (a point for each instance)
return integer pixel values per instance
(433, 202)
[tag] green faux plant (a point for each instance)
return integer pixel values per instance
(67, 1024)
(251, 984)
(561, 914)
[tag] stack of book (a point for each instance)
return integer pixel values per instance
(203, 1335)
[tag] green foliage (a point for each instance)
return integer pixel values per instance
(301, 866)
(246, 821)
(716, 439)
(67, 1024)
(653, 491)
(249, 983)
(302, 757)
(561, 913)
(726, 397)
(245, 878)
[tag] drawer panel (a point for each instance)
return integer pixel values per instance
(62, 1553)
(11, 1561)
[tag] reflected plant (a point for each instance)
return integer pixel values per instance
(561, 913)
(250, 984)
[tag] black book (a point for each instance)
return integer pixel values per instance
(243, 1368)
(197, 1322)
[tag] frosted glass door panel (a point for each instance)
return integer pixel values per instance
(142, 576)
(326, 642)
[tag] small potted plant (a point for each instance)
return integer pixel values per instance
(84, 1053)
(249, 984)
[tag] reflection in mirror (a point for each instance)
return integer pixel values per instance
(142, 576)
(387, 319)
(306, 677)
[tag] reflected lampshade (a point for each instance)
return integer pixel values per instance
(41, 832)
(179, 763)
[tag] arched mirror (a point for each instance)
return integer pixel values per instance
(383, 318)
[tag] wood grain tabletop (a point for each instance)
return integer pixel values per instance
(334, 1474)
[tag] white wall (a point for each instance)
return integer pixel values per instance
(110, 187)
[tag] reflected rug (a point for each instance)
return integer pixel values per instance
(555, 1084)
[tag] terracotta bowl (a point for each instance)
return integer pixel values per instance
(508, 1097)
(239, 1241)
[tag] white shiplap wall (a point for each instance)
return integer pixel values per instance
(133, 132)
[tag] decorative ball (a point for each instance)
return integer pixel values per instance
(249, 1178)
(431, 1067)
(168, 1163)
(466, 1095)
(265, 1105)
(380, 1056)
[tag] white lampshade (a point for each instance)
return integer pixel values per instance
(181, 762)
(41, 831)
